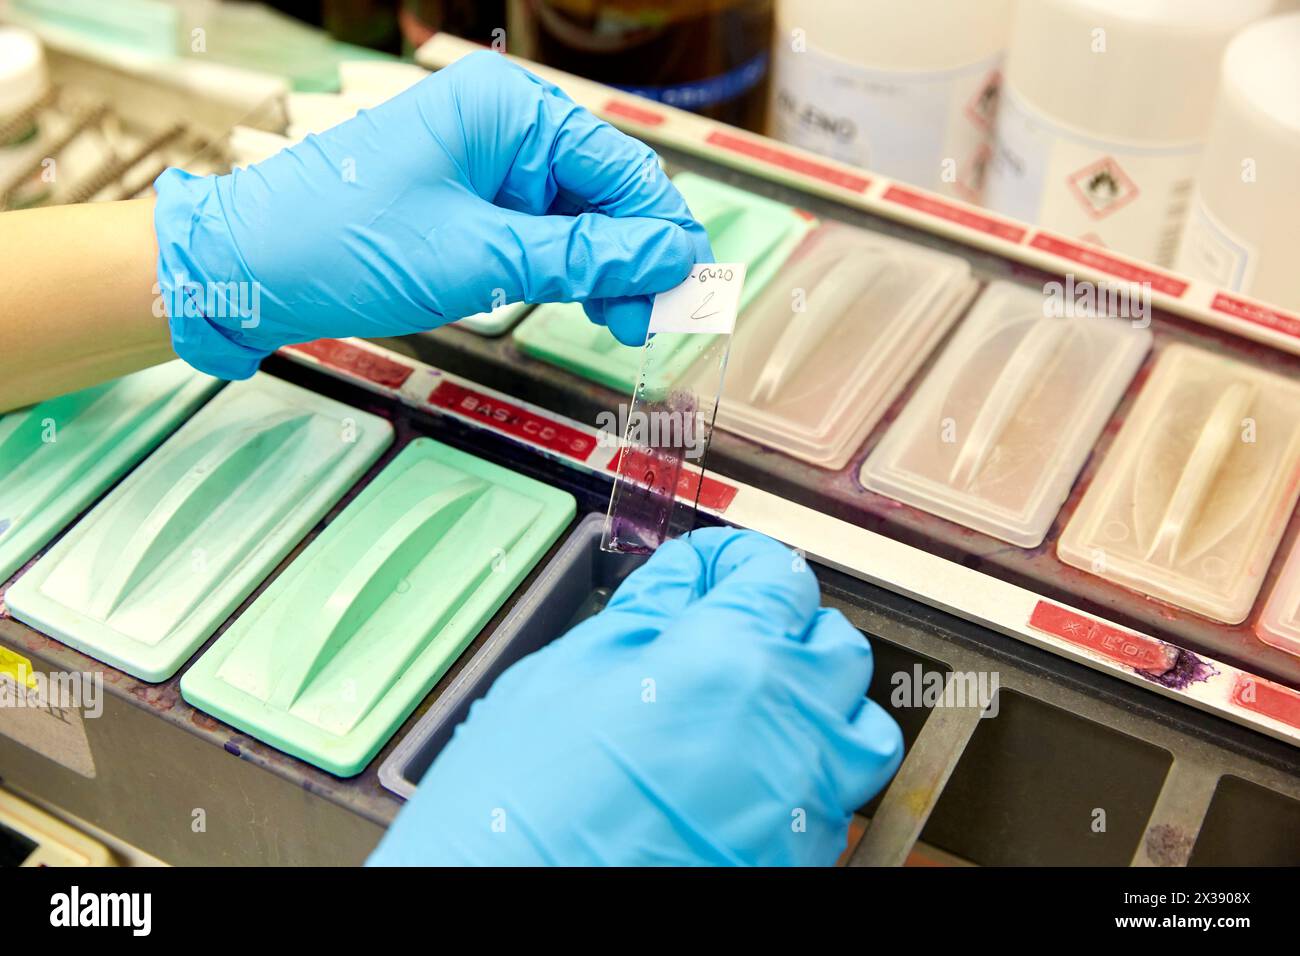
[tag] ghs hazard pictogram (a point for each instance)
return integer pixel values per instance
(983, 106)
(1102, 187)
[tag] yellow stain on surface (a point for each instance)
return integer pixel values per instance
(917, 801)
(17, 668)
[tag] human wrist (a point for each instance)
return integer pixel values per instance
(211, 304)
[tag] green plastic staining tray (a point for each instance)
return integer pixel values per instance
(497, 322)
(337, 652)
(160, 563)
(742, 227)
(59, 456)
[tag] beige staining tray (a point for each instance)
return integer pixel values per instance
(1192, 499)
(1279, 623)
(833, 339)
(1003, 423)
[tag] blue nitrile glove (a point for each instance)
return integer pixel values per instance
(463, 193)
(712, 714)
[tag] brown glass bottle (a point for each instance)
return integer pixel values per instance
(707, 56)
(483, 21)
(368, 23)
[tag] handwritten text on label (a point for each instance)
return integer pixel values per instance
(707, 301)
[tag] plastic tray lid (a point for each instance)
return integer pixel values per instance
(168, 555)
(742, 227)
(823, 351)
(1003, 423)
(1192, 499)
(497, 322)
(337, 652)
(1279, 622)
(59, 456)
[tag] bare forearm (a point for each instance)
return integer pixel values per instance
(77, 300)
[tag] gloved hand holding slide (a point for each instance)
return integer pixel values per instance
(671, 410)
(479, 186)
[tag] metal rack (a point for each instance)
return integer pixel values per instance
(107, 131)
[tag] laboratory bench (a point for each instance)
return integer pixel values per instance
(1055, 710)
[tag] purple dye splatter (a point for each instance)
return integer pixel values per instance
(233, 748)
(1168, 845)
(1187, 669)
(4, 525)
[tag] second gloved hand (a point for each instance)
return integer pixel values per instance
(711, 714)
(479, 186)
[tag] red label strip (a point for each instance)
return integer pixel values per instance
(1125, 647)
(638, 114)
(934, 206)
(1264, 697)
(513, 420)
(713, 494)
(797, 164)
(355, 360)
(1274, 319)
(1095, 259)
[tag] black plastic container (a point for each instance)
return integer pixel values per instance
(574, 586)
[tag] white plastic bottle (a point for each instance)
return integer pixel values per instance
(908, 90)
(1243, 232)
(1105, 108)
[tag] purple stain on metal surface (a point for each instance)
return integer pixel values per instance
(1188, 669)
(1168, 845)
(4, 525)
(233, 748)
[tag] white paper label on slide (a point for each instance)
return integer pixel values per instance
(707, 301)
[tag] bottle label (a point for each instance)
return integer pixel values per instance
(929, 128)
(701, 94)
(1210, 251)
(1120, 196)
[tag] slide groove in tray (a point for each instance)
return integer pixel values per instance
(59, 456)
(160, 563)
(337, 652)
